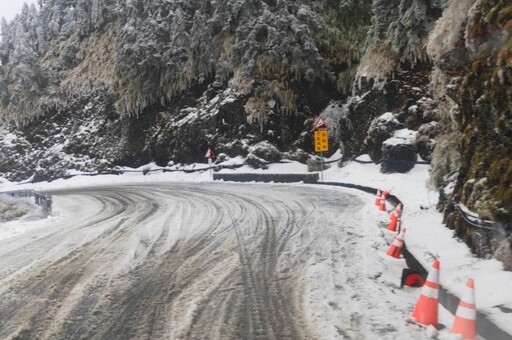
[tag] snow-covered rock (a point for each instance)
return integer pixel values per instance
(256, 162)
(266, 151)
(399, 152)
(381, 129)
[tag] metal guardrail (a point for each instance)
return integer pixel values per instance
(333, 161)
(40, 199)
(117, 171)
(392, 161)
(122, 171)
(468, 216)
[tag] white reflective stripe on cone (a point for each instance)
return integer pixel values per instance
(398, 243)
(466, 313)
(430, 292)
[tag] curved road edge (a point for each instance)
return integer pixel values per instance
(486, 327)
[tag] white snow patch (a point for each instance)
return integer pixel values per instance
(9, 139)
(387, 117)
(403, 136)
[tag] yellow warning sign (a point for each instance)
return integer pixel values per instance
(321, 141)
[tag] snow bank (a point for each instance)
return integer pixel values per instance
(12, 208)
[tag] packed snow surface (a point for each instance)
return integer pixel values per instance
(350, 288)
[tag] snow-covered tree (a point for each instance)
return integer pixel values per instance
(149, 52)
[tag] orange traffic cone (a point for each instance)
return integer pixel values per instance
(377, 198)
(393, 219)
(395, 249)
(426, 310)
(398, 208)
(465, 317)
(398, 224)
(382, 204)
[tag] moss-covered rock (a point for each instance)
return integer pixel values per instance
(481, 116)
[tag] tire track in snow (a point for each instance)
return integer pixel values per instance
(56, 280)
(173, 261)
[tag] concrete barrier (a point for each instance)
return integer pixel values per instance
(259, 177)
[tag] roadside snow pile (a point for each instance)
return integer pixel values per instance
(4, 181)
(266, 151)
(14, 208)
(427, 237)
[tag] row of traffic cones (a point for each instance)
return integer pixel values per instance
(426, 310)
(394, 218)
(395, 249)
(380, 200)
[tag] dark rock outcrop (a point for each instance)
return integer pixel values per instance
(175, 77)
(266, 151)
(399, 152)
(381, 129)
(425, 146)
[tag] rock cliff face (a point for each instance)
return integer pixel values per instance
(88, 85)
(444, 69)
(183, 74)
(479, 91)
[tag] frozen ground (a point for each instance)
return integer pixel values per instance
(334, 266)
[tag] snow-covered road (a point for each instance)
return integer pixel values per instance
(197, 261)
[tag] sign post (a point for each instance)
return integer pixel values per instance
(321, 138)
(210, 155)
